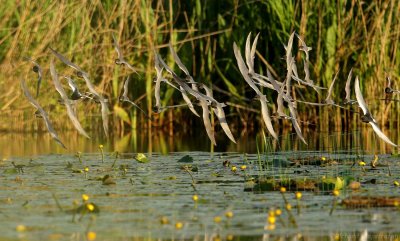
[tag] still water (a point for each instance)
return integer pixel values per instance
(154, 200)
(23, 143)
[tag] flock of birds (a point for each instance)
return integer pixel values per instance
(199, 94)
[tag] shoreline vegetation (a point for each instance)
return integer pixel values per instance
(343, 35)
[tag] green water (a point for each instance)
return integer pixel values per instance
(146, 192)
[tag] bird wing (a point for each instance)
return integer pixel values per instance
(104, 107)
(66, 101)
(295, 124)
(207, 122)
(329, 96)
(253, 54)
(125, 89)
(266, 117)
(157, 87)
(66, 61)
(347, 88)
(123, 61)
(380, 134)
(117, 48)
(178, 60)
(188, 101)
(243, 70)
(247, 53)
(359, 97)
(42, 113)
(219, 111)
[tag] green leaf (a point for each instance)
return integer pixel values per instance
(122, 114)
(186, 159)
(140, 157)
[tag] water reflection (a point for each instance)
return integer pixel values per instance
(39, 142)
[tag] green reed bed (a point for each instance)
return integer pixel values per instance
(343, 35)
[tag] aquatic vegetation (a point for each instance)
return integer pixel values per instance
(102, 152)
(140, 157)
(336, 194)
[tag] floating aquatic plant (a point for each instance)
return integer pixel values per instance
(140, 157)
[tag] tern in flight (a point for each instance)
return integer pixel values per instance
(348, 100)
(367, 117)
(37, 69)
(120, 60)
(97, 97)
(124, 97)
(263, 100)
(66, 101)
(219, 112)
(42, 113)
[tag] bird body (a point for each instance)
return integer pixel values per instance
(367, 117)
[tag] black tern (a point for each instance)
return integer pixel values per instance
(367, 117)
(348, 100)
(181, 89)
(388, 89)
(263, 100)
(124, 97)
(42, 113)
(158, 80)
(96, 96)
(66, 101)
(37, 69)
(292, 109)
(79, 71)
(329, 100)
(120, 60)
(219, 112)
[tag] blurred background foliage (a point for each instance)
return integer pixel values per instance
(343, 34)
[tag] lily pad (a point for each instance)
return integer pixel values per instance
(140, 157)
(186, 159)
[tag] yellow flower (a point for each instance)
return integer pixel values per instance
(271, 213)
(101, 146)
(288, 206)
(229, 214)
(234, 168)
(335, 193)
(271, 219)
(195, 198)
(20, 228)
(396, 183)
(271, 227)
(323, 158)
(283, 189)
(179, 225)
(90, 207)
(243, 167)
(278, 212)
(229, 237)
(164, 220)
(85, 197)
(86, 169)
(217, 219)
(298, 195)
(217, 238)
(361, 163)
(91, 236)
